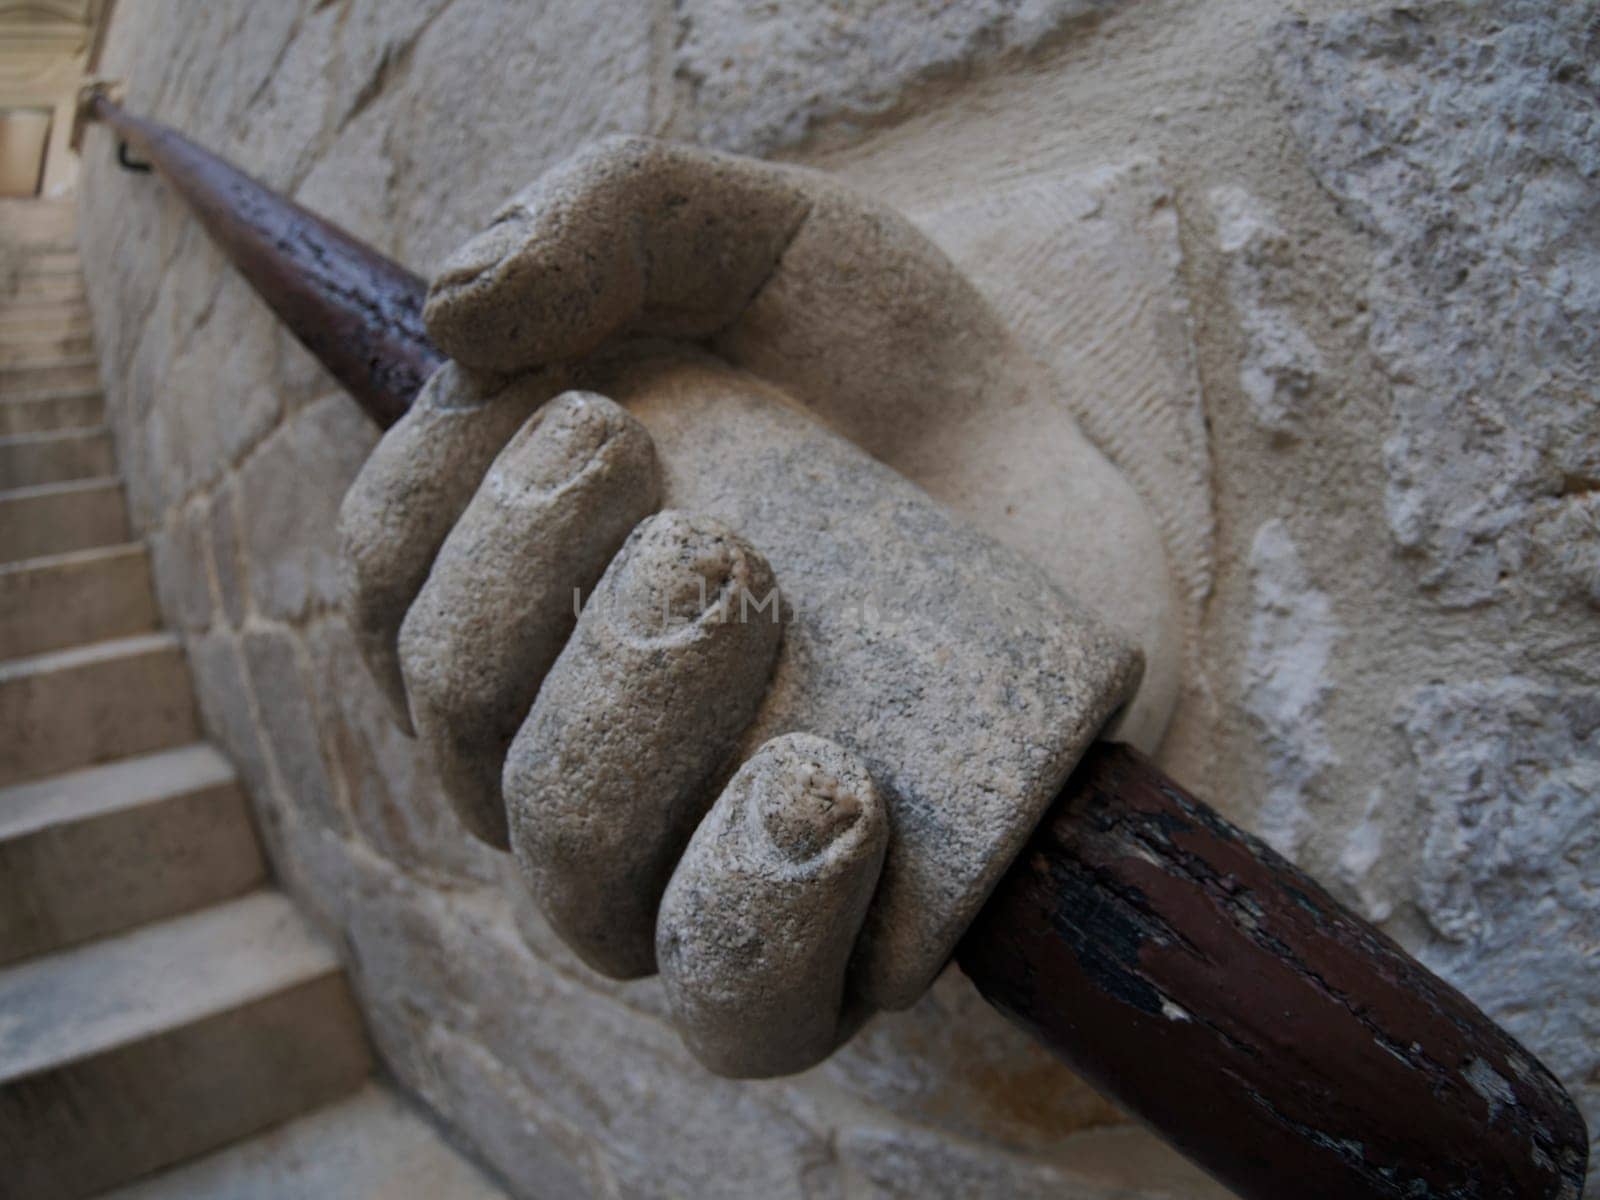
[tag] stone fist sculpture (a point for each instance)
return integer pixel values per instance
(748, 706)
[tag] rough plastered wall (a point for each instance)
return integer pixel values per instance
(1332, 271)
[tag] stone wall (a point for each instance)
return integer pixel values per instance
(1331, 281)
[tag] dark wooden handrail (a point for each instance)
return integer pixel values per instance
(357, 311)
(1202, 981)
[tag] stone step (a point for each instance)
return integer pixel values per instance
(38, 350)
(41, 238)
(73, 599)
(30, 285)
(22, 327)
(30, 218)
(35, 236)
(108, 848)
(52, 411)
(27, 313)
(48, 258)
(52, 242)
(38, 321)
(48, 268)
(91, 704)
(134, 1053)
(20, 280)
(22, 313)
(31, 459)
(71, 373)
(373, 1146)
(61, 517)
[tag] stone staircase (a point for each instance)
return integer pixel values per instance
(159, 1000)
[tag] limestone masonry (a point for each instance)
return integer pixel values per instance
(1318, 283)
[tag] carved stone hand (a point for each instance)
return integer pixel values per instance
(805, 717)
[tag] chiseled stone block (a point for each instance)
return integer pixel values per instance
(288, 718)
(763, 77)
(288, 501)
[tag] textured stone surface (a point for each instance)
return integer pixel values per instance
(418, 161)
(501, 597)
(761, 78)
(1509, 873)
(550, 280)
(786, 267)
(1125, 372)
(390, 794)
(64, 410)
(545, 281)
(369, 1146)
(289, 719)
(183, 584)
(904, 615)
(606, 779)
(597, 1091)
(91, 703)
(861, 318)
(288, 503)
(888, 1164)
(242, 354)
(60, 518)
(433, 112)
(408, 496)
(1462, 141)
(93, 852)
(228, 568)
(1278, 365)
(948, 1064)
(54, 457)
(535, 1144)
(71, 599)
(1466, 141)
(118, 1058)
(1292, 636)
(223, 693)
(181, 447)
(892, 1163)
(757, 925)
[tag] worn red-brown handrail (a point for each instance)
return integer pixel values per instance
(357, 311)
(1202, 981)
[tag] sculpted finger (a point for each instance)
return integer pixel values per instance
(756, 928)
(409, 493)
(631, 235)
(552, 510)
(607, 777)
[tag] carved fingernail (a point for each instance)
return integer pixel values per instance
(806, 807)
(558, 443)
(678, 571)
(482, 253)
(757, 927)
